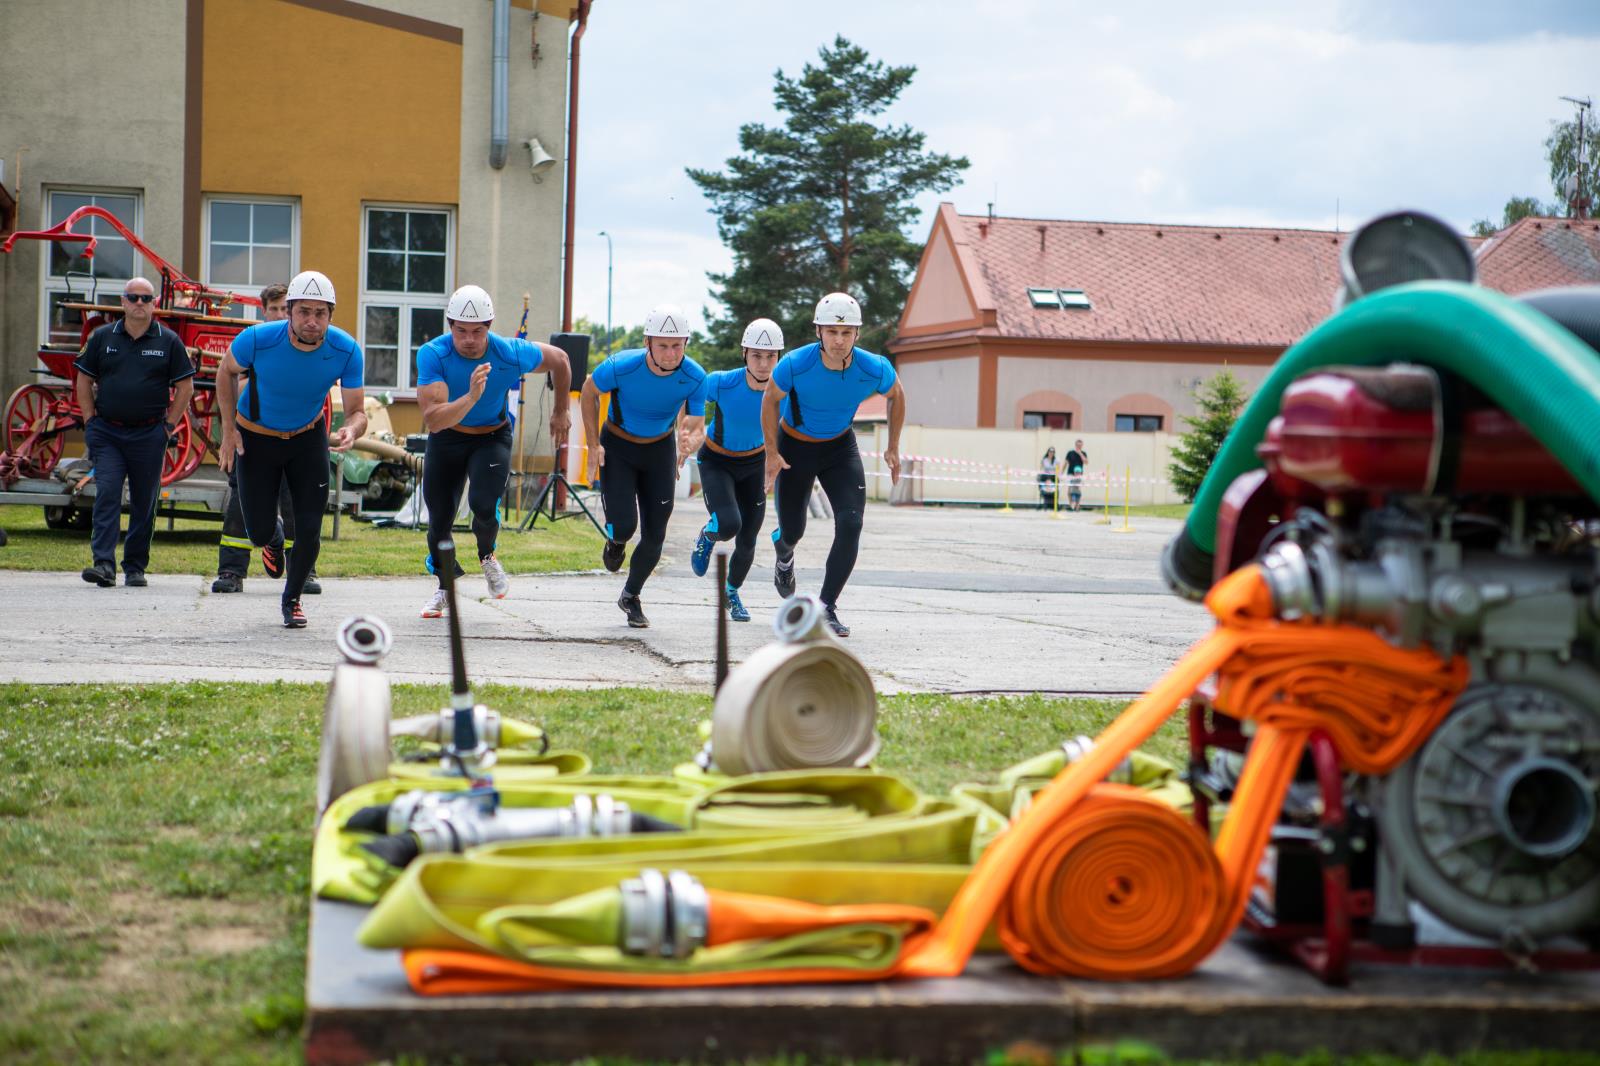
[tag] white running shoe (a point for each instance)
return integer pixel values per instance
(495, 574)
(437, 605)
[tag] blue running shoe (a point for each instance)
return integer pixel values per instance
(736, 609)
(702, 554)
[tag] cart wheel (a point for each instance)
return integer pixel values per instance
(56, 517)
(32, 431)
(80, 518)
(203, 409)
(184, 452)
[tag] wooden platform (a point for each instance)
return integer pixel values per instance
(1242, 1003)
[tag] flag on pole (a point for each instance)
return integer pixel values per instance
(522, 330)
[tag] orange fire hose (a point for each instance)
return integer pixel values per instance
(732, 917)
(1097, 880)
(1110, 889)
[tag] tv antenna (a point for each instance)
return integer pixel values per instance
(1577, 197)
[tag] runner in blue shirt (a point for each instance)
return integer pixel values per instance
(649, 388)
(464, 377)
(732, 460)
(274, 429)
(806, 414)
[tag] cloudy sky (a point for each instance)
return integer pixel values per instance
(1243, 112)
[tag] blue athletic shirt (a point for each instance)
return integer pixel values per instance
(294, 383)
(821, 402)
(736, 425)
(643, 402)
(510, 358)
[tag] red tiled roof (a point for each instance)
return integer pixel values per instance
(1537, 253)
(874, 408)
(1210, 285)
(1149, 283)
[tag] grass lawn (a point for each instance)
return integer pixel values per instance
(361, 550)
(157, 846)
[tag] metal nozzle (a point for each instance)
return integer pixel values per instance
(363, 640)
(800, 620)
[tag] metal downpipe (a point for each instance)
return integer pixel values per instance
(499, 125)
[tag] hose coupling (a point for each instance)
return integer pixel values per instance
(664, 916)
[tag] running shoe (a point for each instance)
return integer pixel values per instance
(495, 575)
(702, 554)
(838, 627)
(228, 582)
(736, 609)
(611, 555)
(436, 605)
(273, 560)
(313, 586)
(630, 607)
(293, 616)
(783, 577)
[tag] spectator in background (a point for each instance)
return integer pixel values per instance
(1048, 479)
(1077, 459)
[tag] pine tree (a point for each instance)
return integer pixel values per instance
(1220, 400)
(822, 203)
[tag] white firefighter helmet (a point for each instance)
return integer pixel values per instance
(837, 309)
(310, 285)
(470, 304)
(666, 320)
(763, 333)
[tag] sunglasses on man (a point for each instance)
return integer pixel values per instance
(139, 297)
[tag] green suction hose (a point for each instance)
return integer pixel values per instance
(1538, 371)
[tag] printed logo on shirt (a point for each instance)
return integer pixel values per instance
(154, 351)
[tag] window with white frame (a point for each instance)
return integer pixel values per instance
(406, 276)
(72, 278)
(249, 244)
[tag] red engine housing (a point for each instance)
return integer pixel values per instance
(1370, 431)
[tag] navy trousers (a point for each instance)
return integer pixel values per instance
(126, 455)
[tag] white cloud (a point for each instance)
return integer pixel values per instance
(1242, 112)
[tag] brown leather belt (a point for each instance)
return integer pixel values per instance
(720, 450)
(808, 438)
(611, 427)
(478, 429)
(253, 427)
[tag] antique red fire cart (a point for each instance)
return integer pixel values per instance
(38, 415)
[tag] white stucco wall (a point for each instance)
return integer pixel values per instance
(942, 392)
(510, 225)
(1095, 383)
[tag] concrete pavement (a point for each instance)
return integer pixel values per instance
(941, 600)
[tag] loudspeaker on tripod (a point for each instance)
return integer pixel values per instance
(576, 345)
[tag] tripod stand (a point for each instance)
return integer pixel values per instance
(548, 493)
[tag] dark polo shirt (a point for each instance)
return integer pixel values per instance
(134, 376)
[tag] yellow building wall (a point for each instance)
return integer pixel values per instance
(335, 111)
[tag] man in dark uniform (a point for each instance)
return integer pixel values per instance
(134, 384)
(233, 551)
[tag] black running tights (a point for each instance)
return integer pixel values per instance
(638, 484)
(735, 491)
(301, 461)
(480, 463)
(837, 464)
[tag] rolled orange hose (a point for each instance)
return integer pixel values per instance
(1126, 886)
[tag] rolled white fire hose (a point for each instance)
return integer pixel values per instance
(803, 702)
